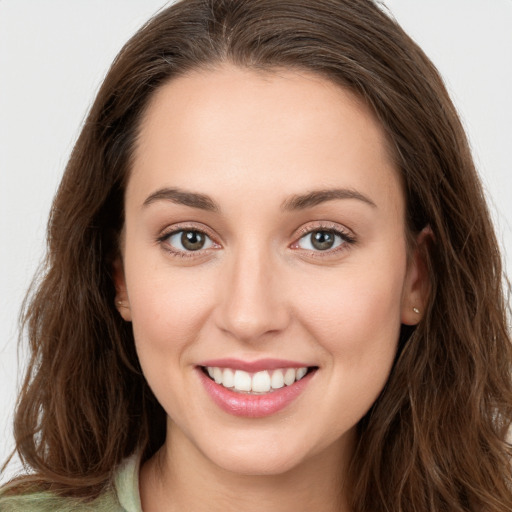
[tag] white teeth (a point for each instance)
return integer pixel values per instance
(289, 376)
(228, 378)
(277, 380)
(259, 382)
(217, 375)
(242, 381)
(301, 372)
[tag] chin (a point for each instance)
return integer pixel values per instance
(262, 455)
(261, 463)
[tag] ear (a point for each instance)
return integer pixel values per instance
(417, 281)
(121, 301)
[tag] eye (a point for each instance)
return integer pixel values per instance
(321, 240)
(189, 240)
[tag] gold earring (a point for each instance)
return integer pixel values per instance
(416, 310)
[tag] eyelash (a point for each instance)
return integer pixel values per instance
(347, 239)
(178, 253)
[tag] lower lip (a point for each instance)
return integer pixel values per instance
(253, 406)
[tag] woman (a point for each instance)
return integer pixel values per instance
(272, 280)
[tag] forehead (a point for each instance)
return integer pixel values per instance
(276, 132)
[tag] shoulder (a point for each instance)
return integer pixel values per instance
(122, 496)
(47, 502)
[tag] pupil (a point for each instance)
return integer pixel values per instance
(322, 240)
(192, 240)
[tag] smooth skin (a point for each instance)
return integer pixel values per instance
(232, 156)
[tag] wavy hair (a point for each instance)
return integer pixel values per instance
(436, 438)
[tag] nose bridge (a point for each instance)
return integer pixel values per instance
(252, 303)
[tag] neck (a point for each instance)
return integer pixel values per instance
(179, 477)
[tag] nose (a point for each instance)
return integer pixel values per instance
(252, 304)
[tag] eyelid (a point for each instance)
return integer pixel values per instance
(347, 236)
(169, 231)
(325, 226)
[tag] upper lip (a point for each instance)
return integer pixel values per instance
(253, 366)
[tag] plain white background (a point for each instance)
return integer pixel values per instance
(54, 54)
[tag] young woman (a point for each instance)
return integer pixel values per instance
(272, 280)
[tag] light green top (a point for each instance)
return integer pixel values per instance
(123, 496)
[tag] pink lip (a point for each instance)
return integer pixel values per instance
(252, 366)
(252, 406)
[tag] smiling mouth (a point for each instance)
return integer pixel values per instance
(262, 382)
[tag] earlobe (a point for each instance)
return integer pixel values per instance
(121, 301)
(417, 283)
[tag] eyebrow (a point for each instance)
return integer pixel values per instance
(316, 197)
(175, 195)
(295, 202)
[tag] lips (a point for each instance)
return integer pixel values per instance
(254, 389)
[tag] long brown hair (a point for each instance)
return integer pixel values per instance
(436, 437)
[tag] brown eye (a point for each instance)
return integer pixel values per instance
(192, 240)
(322, 240)
(189, 240)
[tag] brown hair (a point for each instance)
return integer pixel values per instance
(436, 437)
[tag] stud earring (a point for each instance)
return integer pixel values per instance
(120, 303)
(416, 310)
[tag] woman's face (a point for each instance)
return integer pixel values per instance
(264, 238)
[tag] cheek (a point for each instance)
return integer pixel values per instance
(351, 304)
(168, 309)
(358, 328)
(354, 314)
